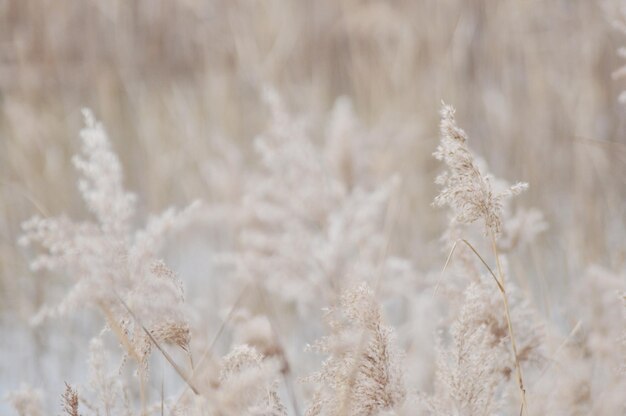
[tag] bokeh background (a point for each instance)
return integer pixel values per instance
(178, 85)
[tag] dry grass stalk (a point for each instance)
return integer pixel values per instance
(167, 356)
(470, 195)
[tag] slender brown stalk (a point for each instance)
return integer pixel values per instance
(169, 359)
(505, 300)
(142, 391)
(471, 247)
(499, 279)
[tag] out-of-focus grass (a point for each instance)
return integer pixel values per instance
(531, 82)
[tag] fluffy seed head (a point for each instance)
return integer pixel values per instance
(464, 188)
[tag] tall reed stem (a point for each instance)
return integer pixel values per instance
(505, 300)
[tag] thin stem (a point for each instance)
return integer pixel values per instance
(142, 391)
(467, 243)
(195, 369)
(287, 373)
(176, 367)
(518, 368)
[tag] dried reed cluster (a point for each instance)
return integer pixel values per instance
(481, 346)
(309, 272)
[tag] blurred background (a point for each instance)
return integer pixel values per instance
(178, 86)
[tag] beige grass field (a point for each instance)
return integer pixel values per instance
(330, 207)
